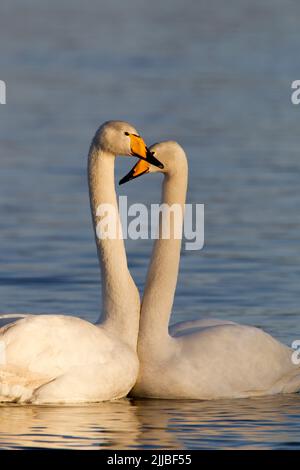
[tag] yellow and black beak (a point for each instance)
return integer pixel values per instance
(139, 169)
(140, 150)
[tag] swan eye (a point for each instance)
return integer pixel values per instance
(135, 135)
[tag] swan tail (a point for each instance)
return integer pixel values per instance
(14, 394)
(10, 318)
(17, 386)
(14, 315)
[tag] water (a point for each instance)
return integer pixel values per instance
(265, 423)
(217, 79)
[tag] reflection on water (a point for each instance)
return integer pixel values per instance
(217, 79)
(266, 423)
(109, 425)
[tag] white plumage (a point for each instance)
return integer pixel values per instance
(62, 359)
(202, 359)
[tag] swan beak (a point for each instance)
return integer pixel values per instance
(139, 169)
(139, 149)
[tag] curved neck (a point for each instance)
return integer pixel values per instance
(120, 297)
(163, 271)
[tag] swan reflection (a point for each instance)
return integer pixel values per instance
(167, 424)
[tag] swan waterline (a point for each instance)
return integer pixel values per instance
(64, 359)
(202, 359)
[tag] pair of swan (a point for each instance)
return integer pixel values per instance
(60, 359)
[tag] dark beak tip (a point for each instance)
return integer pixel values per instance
(127, 177)
(153, 160)
(123, 180)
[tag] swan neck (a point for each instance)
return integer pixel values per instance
(120, 298)
(163, 271)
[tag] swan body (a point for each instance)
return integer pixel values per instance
(56, 358)
(202, 359)
(62, 359)
(220, 361)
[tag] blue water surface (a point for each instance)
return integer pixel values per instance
(216, 77)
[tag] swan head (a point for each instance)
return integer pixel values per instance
(169, 153)
(120, 138)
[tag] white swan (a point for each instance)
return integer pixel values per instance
(56, 358)
(208, 359)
